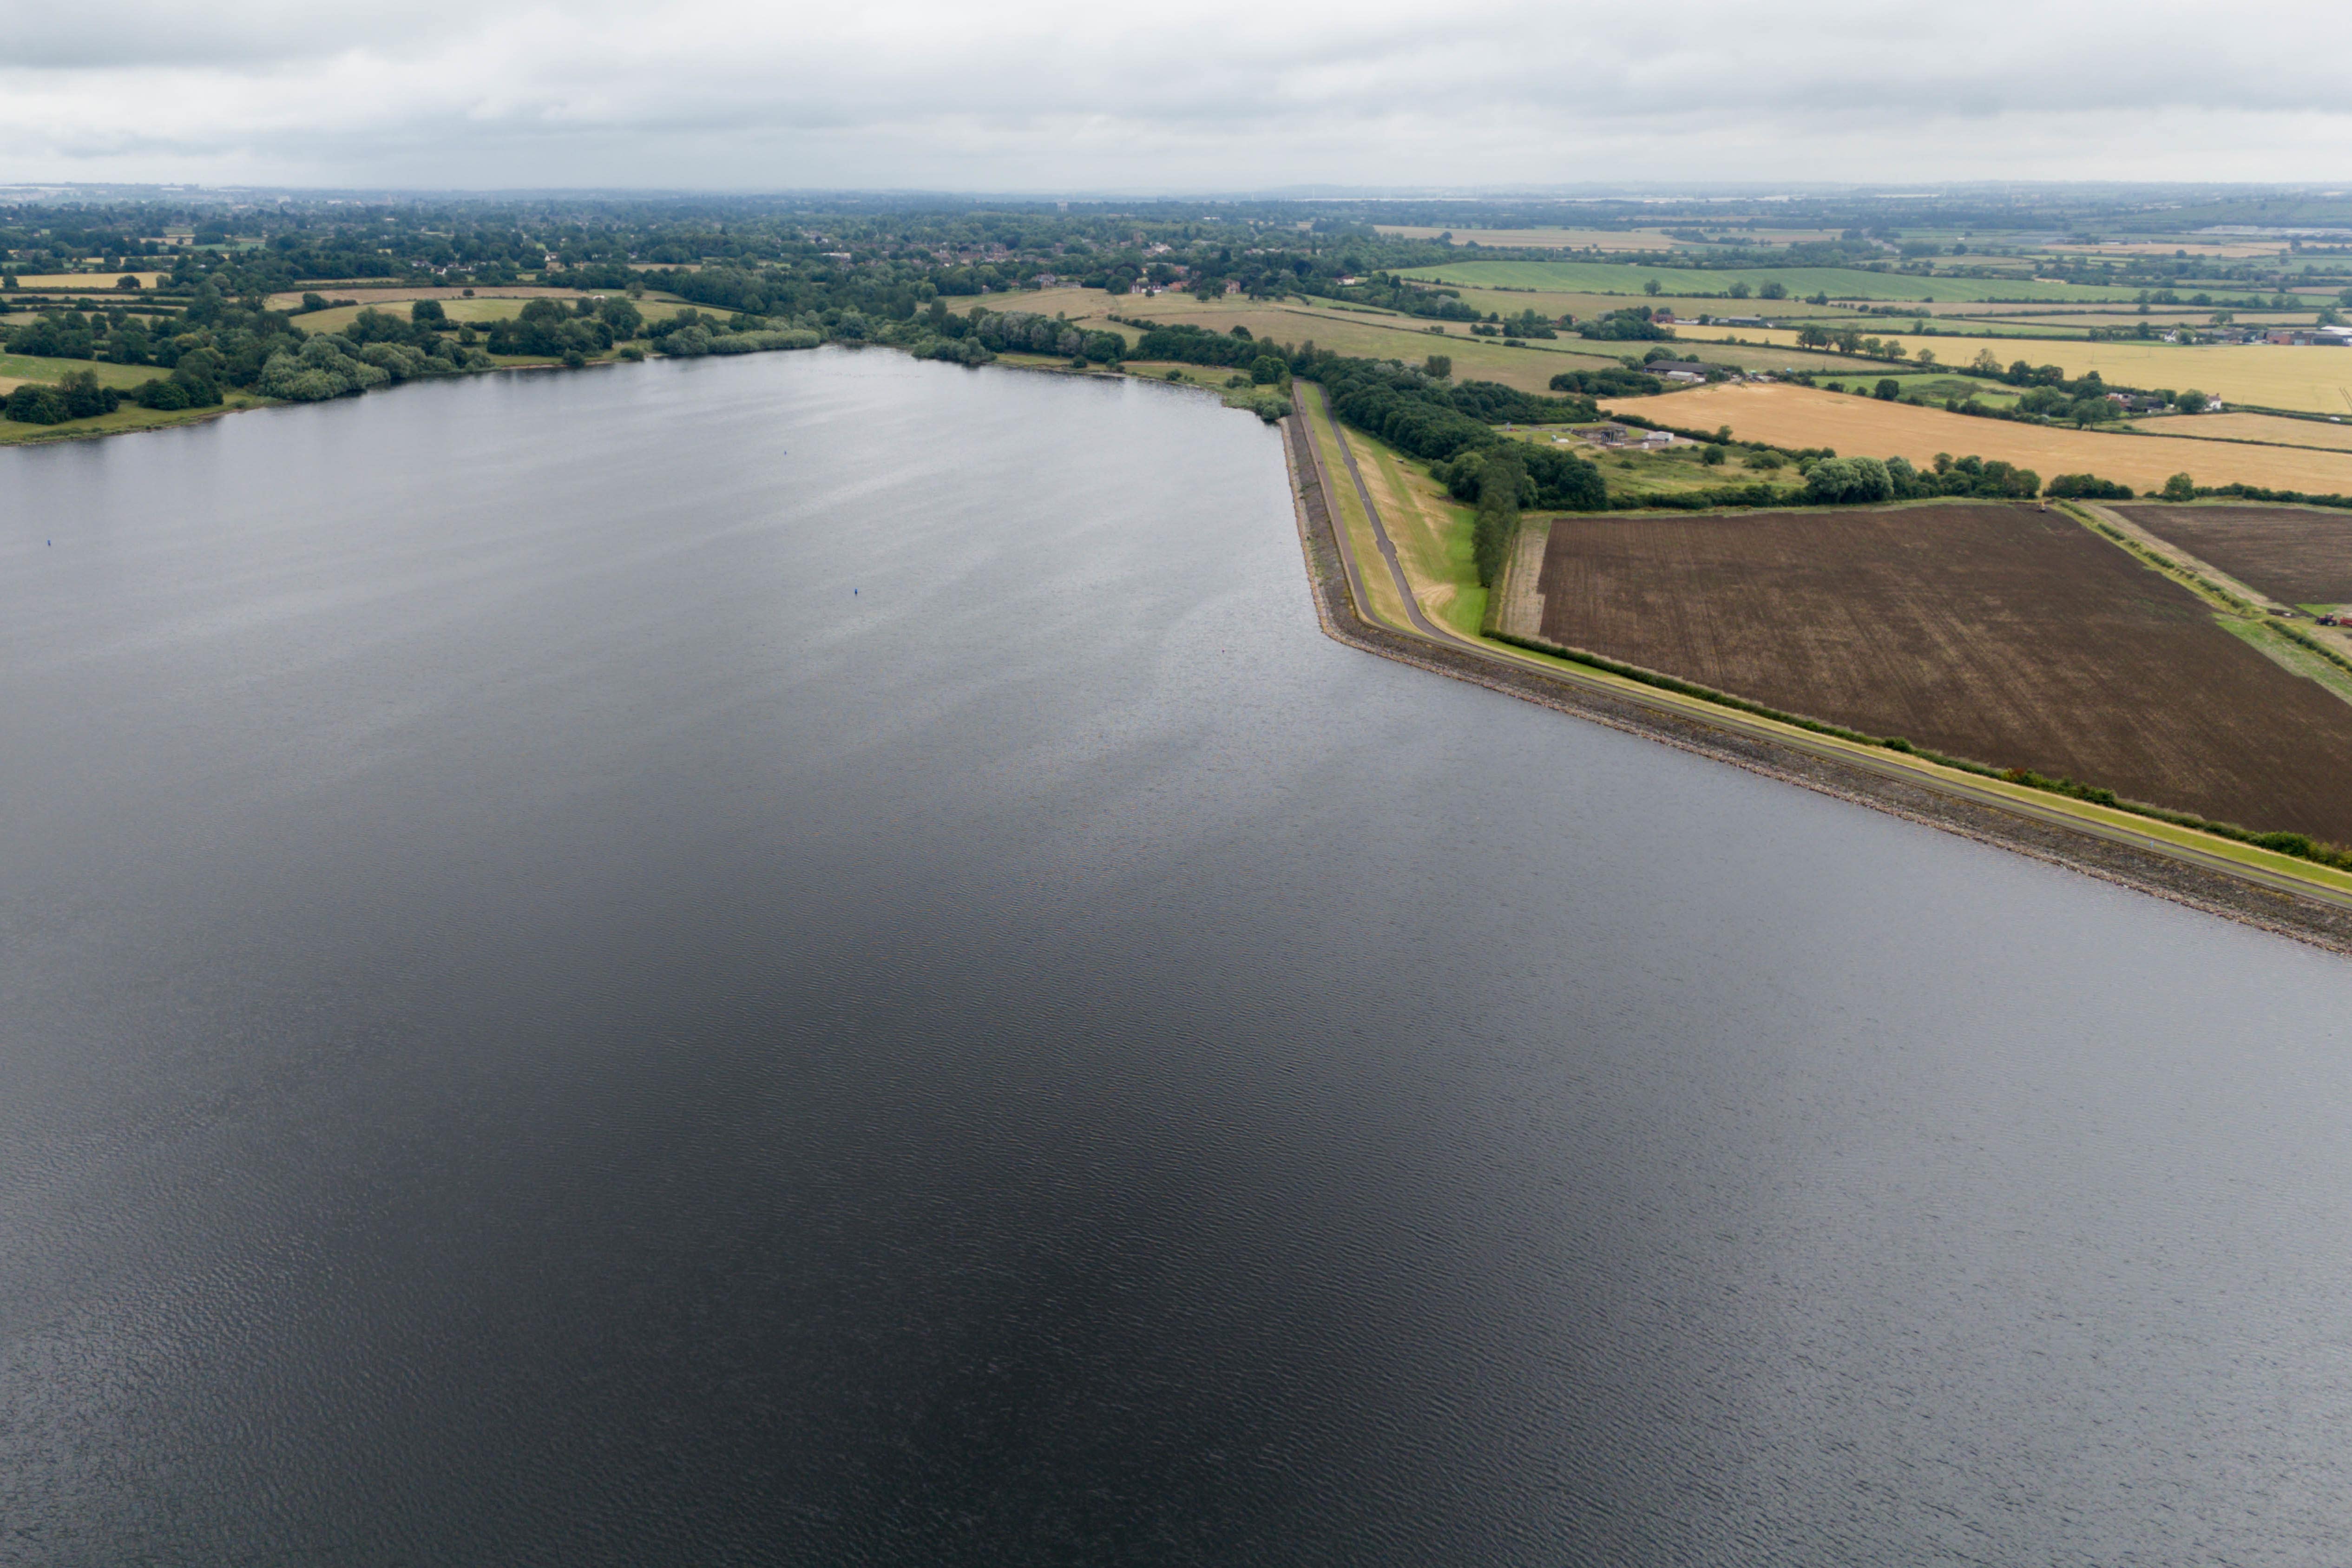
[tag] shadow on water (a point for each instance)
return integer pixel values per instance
(541, 1026)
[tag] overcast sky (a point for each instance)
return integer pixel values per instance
(1115, 95)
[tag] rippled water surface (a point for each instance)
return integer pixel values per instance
(812, 959)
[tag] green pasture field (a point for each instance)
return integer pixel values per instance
(129, 417)
(1431, 534)
(16, 367)
(1933, 385)
(1628, 278)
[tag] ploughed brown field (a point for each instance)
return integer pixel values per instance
(2301, 555)
(2002, 633)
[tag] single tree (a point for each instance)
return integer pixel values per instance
(2180, 487)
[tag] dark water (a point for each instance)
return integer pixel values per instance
(812, 960)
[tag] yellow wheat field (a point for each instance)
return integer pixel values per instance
(2252, 427)
(2305, 380)
(85, 280)
(1865, 427)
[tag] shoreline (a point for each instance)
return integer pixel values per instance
(1334, 581)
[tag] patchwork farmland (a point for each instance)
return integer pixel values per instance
(2003, 633)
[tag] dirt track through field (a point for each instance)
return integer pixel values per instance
(2300, 555)
(2005, 634)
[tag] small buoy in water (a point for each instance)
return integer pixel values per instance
(853, 593)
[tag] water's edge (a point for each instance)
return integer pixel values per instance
(2143, 871)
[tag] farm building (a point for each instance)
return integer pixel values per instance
(1682, 370)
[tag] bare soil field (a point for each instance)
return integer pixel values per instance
(1865, 427)
(2299, 555)
(2001, 633)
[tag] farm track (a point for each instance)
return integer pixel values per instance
(2275, 901)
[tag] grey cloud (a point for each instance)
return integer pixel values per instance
(910, 93)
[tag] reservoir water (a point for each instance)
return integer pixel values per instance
(812, 959)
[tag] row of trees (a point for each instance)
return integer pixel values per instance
(1610, 382)
(1495, 528)
(1850, 340)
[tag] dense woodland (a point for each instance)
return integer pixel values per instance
(1264, 246)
